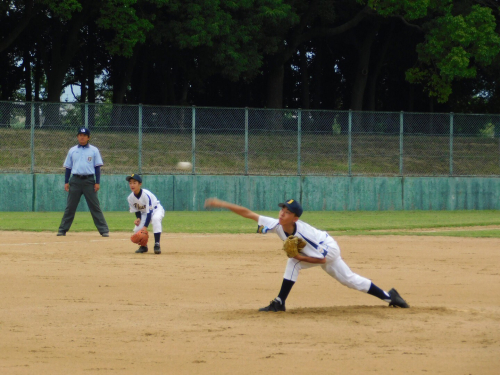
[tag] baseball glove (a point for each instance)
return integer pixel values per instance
(293, 245)
(141, 237)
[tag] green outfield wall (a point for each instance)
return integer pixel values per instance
(45, 192)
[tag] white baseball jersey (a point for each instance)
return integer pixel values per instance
(146, 203)
(318, 241)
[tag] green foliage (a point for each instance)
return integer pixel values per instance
(224, 36)
(410, 9)
(454, 45)
(63, 9)
(128, 27)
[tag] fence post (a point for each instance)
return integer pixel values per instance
(32, 137)
(299, 138)
(401, 151)
(451, 143)
(246, 141)
(349, 144)
(193, 137)
(86, 114)
(140, 138)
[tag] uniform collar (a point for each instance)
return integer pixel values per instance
(294, 230)
(86, 146)
(139, 195)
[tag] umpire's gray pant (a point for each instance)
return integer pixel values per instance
(77, 187)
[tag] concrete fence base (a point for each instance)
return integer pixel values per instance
(45, 192)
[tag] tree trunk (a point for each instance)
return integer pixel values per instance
(122, 73)
(362, 70)
(64, 46)
(373, 77)
(304, 78)
(37, 77)
(5, 109)
(28, 87)
(275, 85)
(91, 75)
(317, 81)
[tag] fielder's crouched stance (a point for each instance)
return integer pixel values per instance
(147, 209)
(319, 249)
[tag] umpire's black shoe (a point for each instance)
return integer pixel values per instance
(105, 234)
(142, 249)
(61, 233)
(274, 306)
(157, 248)
(397, 300)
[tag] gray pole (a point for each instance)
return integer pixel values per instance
(32, 136)
(401, 133)
(349, 144)
(299, 139)
(87, 115)
(193, 136)
(451, 143)
(246, 141)
(140, 138)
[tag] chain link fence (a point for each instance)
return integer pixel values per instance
(35, 138)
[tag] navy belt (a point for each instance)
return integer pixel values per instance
(83, 176)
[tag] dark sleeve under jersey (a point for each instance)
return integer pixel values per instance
(66, 175)
(97, 174)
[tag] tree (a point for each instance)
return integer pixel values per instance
(459, 38)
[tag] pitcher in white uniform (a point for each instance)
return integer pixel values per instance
(147, 209)
(321, 250)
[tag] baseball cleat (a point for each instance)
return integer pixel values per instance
(274, 306)
(397, 300)
(142, 249)
(105, 234)
(157, 248)
(61, 233)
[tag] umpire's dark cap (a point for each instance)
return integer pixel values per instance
(293, 206)
(134, 176)
(84, 131)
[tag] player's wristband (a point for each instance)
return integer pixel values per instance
(262, 229)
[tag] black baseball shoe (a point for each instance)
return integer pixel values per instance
(157, 248)
(61, 233)
(105, 234)
(142, 249)
(397, 300)
(274, 306)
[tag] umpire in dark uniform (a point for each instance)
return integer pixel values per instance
(82, 163)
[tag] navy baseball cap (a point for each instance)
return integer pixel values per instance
(134, 176)
(293, 206)
(84, 131)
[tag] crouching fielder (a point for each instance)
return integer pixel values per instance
(321, 250)
(147, 209)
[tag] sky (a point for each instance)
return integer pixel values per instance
(68, 96)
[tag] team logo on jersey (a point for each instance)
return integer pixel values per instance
(290, 201)
(139, 207)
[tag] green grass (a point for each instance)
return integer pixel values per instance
(335, 222)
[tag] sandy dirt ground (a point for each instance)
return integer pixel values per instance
(83, 304)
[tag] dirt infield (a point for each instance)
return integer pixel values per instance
(84, 304)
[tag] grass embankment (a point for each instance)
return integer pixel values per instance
(435, 223)
(269, 153)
